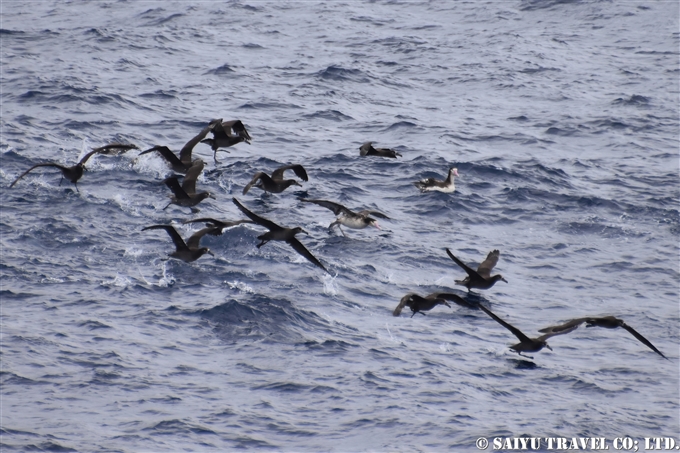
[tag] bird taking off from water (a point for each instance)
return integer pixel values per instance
(480, 278)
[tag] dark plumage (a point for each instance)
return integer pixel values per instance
(185, 194)
(418, 304)
(525, 344)
(279, 233)
(217, 225)
(75, 172)
(223, 138)
(481, 278)
(367, 149)
(609, 322)
(182, 163)
(189, 251)
(276, 183)
(347, 217)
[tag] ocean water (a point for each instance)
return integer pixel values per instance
(561, 117)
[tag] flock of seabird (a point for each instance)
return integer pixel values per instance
(229, 133)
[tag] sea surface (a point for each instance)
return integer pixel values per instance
(560, 116)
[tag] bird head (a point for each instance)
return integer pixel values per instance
(372, 222)
(298, 230)
(499, 277)
(203, 195)
(454, 171)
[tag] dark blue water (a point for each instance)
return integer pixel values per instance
(561, 117)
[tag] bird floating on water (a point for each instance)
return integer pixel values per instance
(223, 138)
(185, 195)
(367, 149)
(432, 184)
(182, 163)
(348, 218)
(419, 304)
(481, 278)
(279, 233)
(186, 251)
(609, 322)
(275, 183)
(75, 172)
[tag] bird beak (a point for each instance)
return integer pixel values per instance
(375, 224)
(548, 346)
(303, 231)
(455, 172)
(504, 280)
(210, 253)
(212, 196)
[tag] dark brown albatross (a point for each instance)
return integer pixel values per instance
(608, 322)
(279, 233)
(182, 163)
(526, 344)
(75, 172)
(480, 278)
(367, 149)
(275, 183)
(185, 195)
(223, 138)
(186, 251)
(418, 304)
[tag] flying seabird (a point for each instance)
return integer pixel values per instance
(276, 183)
(418, 304)
(350, 219)
(182, 163)
(481, 278)
(222, 137)
(279, 233)
(185, 195)
(431, 184)
(217, 225)
(367, 149)
(189, 251)
(609, 322)
(526, 344)
(75, 172)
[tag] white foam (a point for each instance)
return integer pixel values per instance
(330, 286)
(243, 287)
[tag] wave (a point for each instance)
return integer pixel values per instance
(340, 74)
(260, 318)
